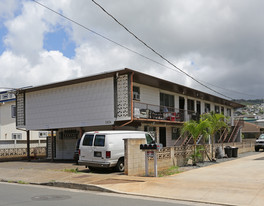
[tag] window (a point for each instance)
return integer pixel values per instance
(99, 141)
(151, 131)
(190, 105)
(88, 140)
(13, 111)
(217, 109)
(167, 102)
(136, 93)
(223, 110)
(228, 112)
(149, 139)
(207, 107)
(16, 136)
(175, 133)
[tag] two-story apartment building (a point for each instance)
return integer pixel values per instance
(123, 99)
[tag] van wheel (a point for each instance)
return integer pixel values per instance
(92, 169)
(120, 166)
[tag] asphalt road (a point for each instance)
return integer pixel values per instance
(23, 194)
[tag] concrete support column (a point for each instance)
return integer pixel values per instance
(134, 157)
(28, 146)
(186, 117)
(52, 146)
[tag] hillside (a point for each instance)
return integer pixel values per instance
(249, 101)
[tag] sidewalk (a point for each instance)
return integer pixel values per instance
(236, 182)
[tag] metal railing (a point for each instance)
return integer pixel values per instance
(150, 111)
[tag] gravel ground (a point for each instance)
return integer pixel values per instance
(208, 163)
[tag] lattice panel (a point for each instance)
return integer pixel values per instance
(182, 150)
(122, 97)
(21, 152)
(20, 109)
(164, 153)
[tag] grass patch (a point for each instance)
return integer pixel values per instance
(76, 170)
(171, 171)
(21, 182)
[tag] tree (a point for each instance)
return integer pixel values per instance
(196, 129)
(217, 122)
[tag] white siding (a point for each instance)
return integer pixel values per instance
(8, 124)
(149, 95)
(84, 104)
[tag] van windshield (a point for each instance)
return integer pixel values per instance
(88, 140)
(99, 141)
(149, 139)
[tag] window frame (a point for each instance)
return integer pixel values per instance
(136, 91)
(205, 107)
(16, 136)
(88, 143)
(13, 111)
(98, 136)
(167, 100)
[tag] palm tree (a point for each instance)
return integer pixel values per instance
(195, 129)
(217, 123)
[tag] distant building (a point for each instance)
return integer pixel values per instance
(10, 136)
(251, 130)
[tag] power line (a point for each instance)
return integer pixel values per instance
(230, 90)
(135, 52)
(157, 53)
(98, 34)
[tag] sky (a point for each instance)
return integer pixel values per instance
(218, 42)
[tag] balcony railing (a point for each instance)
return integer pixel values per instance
(149, 111)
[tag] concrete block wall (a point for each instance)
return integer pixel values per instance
(134, 157)
(167, 157)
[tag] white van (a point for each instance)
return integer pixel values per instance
(106, 148)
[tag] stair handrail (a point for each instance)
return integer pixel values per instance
(233, 130)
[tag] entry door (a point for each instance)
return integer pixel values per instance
(162, 136)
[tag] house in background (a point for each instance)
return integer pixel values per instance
(10, 136)
(252, 130)
(123, 99)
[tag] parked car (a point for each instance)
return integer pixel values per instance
(105, 149)
(76, 151)
(259, 143)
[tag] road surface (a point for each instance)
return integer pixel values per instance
(24, 194)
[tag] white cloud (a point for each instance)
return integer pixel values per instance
(17, 71)
(7, 8)
(223, 39)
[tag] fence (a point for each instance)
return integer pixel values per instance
(169, 156)
(17, 149)
(21, 153)
(9, 144)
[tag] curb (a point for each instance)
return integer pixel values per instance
(76, 186)
(101, 189)
(65, 185)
